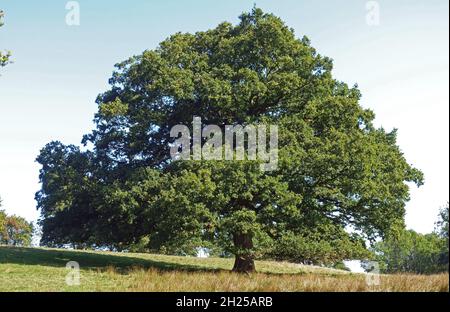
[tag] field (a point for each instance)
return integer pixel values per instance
(38, 269)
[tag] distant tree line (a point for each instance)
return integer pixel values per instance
(408, 251)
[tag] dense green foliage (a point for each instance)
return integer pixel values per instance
(442, 231)
(4, 57)
(408, 251)
(335, 168)
(14, 230)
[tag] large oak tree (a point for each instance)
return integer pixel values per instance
(336, 170)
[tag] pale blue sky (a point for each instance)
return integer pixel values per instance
(401, 67)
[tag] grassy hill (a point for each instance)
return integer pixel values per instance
(39, 269)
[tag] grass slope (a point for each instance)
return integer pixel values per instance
(39, 269)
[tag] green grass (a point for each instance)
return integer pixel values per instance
(39, 269)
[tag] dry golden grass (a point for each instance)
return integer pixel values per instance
(139, 279)
(31, 269)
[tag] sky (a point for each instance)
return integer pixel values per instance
(398, 57)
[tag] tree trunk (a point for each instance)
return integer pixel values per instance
(244, 265)
(244, 262)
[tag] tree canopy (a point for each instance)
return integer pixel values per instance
(336, 170)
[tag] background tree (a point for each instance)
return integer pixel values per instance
(14, 230)
(4, 57)
(442, 231)
(335, 169)
(407, 251)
